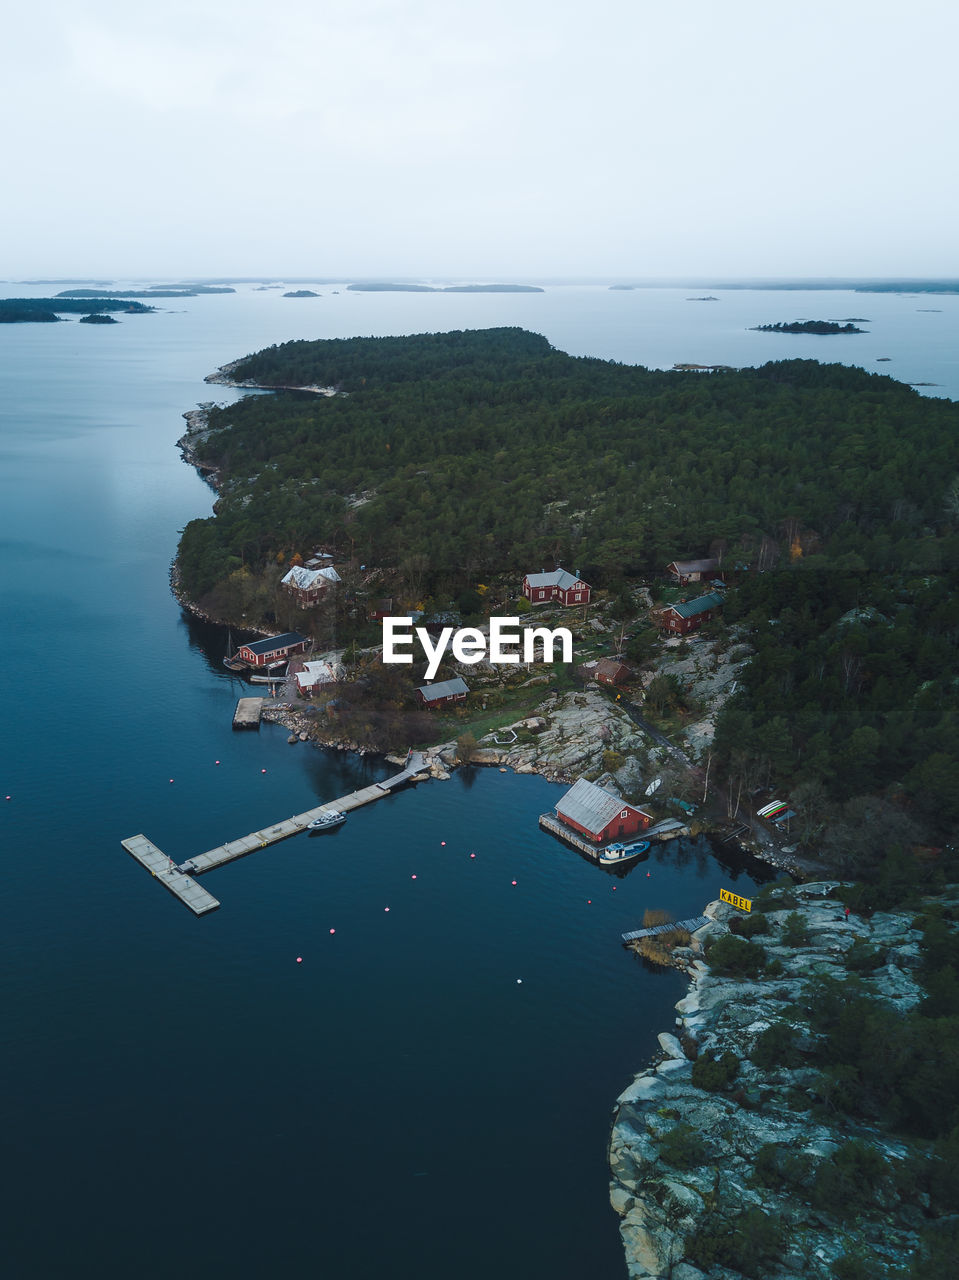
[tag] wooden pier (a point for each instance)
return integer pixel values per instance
(178, 879)
(696, 922)
(247, 713)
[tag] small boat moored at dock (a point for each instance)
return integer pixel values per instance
(614, 855)
(326, 821)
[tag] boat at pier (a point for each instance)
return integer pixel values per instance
(614, 855)
(327, 821)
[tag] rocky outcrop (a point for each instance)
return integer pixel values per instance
(678, 1153)
(567, 737)
(197, 430)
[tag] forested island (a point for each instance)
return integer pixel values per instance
(98, 317)
(25, 315)
(154, 291)
(301, 293)
(45, 310)
(448, 458)
(452, 288)
(822, 327)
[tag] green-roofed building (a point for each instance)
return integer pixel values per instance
(680, 619)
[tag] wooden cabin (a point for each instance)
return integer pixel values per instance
(443, 692)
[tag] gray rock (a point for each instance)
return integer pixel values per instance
(670, 1045)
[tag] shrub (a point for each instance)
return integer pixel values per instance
(779, 1166)
(736, 957)
(855, 1266)
(862, 958)
(846, 1183)
(795, 933)
(689, 1045)
(682, 1147)
(748, 926)
(714, 1074)
(776, 1047)
(752, 1244)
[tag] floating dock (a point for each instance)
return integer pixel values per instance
(247, 713)
(179, 879)
(170, 876)
(696, 922)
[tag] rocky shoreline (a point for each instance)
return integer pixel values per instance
(679, 1155)
(223, 377)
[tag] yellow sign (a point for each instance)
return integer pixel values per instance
(744, 904)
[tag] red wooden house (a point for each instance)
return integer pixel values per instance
(260, 653)
(598, 815)
(680, 619)
(309, 586)
(566, 588)
(444, 691)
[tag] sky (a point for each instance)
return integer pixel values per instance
(511, 139)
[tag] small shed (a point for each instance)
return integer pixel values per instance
(444, 691)
(380, 609)
(260, 653)
(314, 674)
(609, 671)
(683, 571)
(598, 814)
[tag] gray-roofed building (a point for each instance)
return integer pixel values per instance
(259, 653)
(692, 570)
(436, 695)
(308, 586)
(568, 588)
(598, 814)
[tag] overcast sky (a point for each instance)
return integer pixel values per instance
(508, 138)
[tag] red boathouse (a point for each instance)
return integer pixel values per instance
(598, 815)
(260, 653)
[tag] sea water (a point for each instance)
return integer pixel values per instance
(428, 1091)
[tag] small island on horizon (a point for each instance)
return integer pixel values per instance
(302, 293)
(389, 287)
(821, 328)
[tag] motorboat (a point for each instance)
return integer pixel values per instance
(326, 821)
(614, 855)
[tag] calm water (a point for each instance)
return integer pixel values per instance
(182, 1097)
